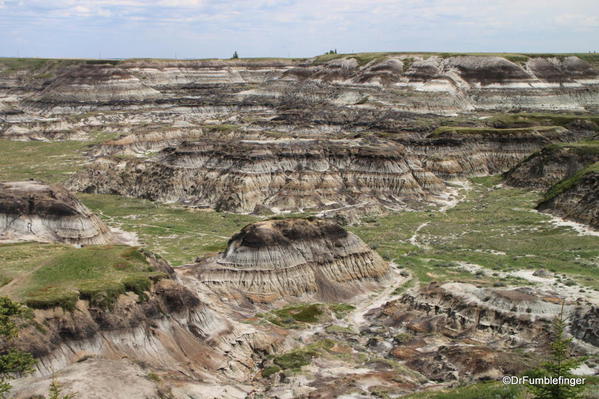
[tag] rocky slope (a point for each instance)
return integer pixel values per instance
(162, 341)
(292, 257)
(457, 330)
(34, 211)
(568, 175)
(576, 198)
(554, 163)
(451, 153)
(277, 175)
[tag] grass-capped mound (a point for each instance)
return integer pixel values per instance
(576, 198)
(552, 164)
(567, 184)
(45, 276)
(459, 130)
(526, 119)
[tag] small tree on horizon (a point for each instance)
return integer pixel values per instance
(561, 363)
(235, 55)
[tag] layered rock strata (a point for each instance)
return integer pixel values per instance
(416, 83)
(94, 84)
(250, 175)
(34, 211)
(292, 257)
(480, 151)
(166, 331)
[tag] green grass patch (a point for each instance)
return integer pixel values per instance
(298, 358)
(586, 147)
(47, 275)
(270, 370)
(528, 119)
(445, 130)
(341, 309)
(295, 315)
(49, 162)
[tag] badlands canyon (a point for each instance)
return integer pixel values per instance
(374, 225)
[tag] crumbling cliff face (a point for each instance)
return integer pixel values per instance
(292, 257)
(452, 154)
(554, 163)
(250, 175)
(456, 330)
(568, 175)
(34, 211)
(167, 332)
(576, 198)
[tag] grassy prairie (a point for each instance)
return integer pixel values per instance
(47, 275)
(49, 162)
(178, 234)
(494, 227)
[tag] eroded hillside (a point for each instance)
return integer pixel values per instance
(299, 228)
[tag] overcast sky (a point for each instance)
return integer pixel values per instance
(292, 28)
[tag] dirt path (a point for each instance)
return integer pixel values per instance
(414, 239)
(357, 317)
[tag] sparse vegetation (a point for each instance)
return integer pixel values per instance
(13, 362)
(476, 391)
(298, 358)
(493, 227)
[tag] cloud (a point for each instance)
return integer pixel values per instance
(298, 27)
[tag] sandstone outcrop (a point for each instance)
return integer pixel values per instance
(292, 257)
(247, 175)
(34, 211)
